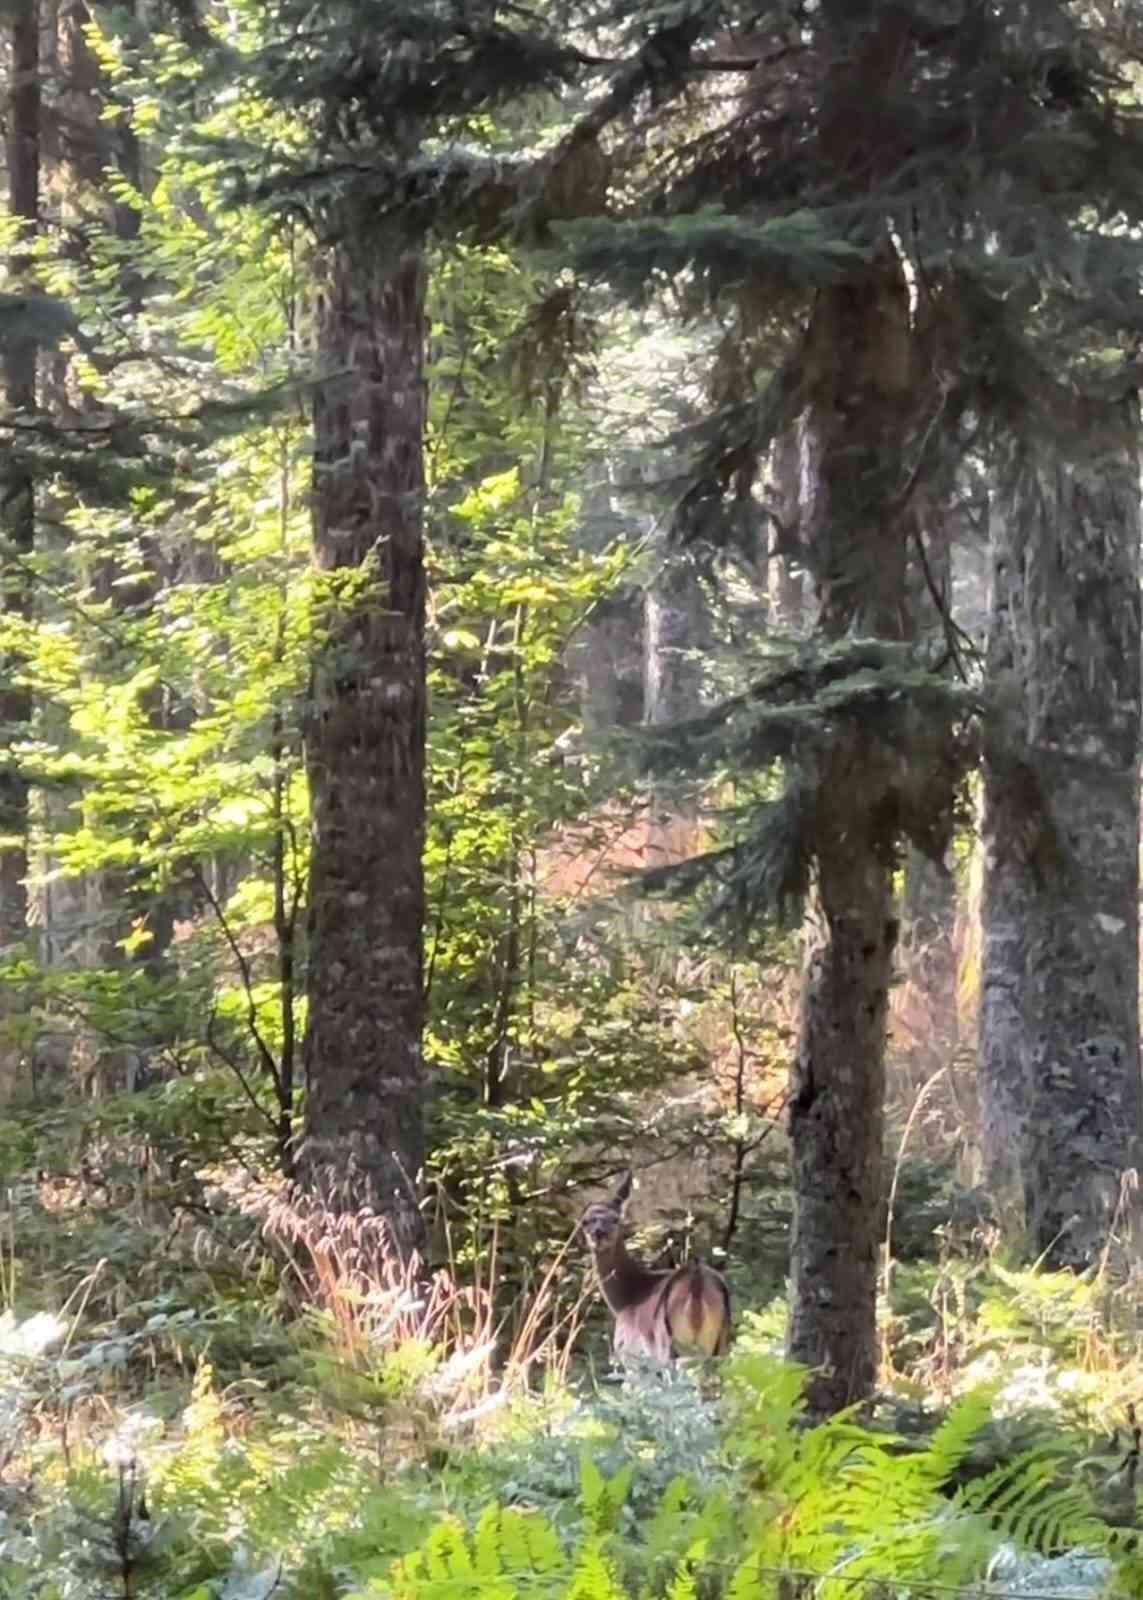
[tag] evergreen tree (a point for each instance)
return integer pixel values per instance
(1059, 1052)
(384, 89)
(890, 199)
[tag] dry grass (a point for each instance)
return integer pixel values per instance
(344, 1266)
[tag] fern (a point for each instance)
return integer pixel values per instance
(844, 1503)
(1028, 1502)
(673, 1513)
(684, 1585)
(750, 1582)
(839, 1504)
(508, 1554)
(603, 1499)
(594, 1577)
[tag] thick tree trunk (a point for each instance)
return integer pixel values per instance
(17, 483)
(928, 955)
(857, 553)
(836, 1110)
(1059, 1057)
(608, 665)
(365, 739)
(1003, 1072)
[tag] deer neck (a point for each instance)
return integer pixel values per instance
(625, 1282)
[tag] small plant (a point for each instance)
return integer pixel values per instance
(404, 1351)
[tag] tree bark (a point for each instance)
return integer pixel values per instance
(836, 1114)
(1059, 1056)
(674, 634)
(860, 361)
(929, 898)
(363, 1140)
(17, 483)
(609, 666)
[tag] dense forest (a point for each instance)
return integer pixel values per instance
(571, 718)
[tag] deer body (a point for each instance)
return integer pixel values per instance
(683, 1311)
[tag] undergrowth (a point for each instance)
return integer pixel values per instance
(652, 1487)
(281, 1413)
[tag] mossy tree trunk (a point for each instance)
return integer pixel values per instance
(365, 736)
(1059, 1054)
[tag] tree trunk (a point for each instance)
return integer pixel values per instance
(928, 956)
(17, 483)
(929, 899)
(1059, 1056)
(836, 1114)
(675, 628)
(363, 1141)
(608, 665)
(1002, 1070)
(675, 632)
(792, 477)
(859, 359)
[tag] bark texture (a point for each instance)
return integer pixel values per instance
(860, 349)
(365, 739)
(1059, 1057)
(608, 664)
(836, 1110)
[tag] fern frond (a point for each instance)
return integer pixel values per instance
(952, 1443)
(750, 1582)
(602, 1498)
(1027, 1502)
(684, 1585)
(594, 1577)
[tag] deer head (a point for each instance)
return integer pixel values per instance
(602, 1223)
(657, 1314)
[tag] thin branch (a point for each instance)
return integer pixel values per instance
(232, 1063)
(264, 1051)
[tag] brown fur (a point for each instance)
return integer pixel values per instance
(683, 1311)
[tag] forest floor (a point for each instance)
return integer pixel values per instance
(178, 1421)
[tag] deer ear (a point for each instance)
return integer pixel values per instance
(623, 1192)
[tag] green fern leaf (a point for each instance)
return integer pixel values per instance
(445, 1553)
(513, 1535)
(544, 1549)
(748, 1582)
(487, 1561)
(603, 1499)
(684, 1585)
(949, 1447)
(594, 1578)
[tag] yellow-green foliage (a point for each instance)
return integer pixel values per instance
(846, 1504)
(836, 1504)
(512, 1553)
(762, 1502)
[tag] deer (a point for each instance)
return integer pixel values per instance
(661, 1314)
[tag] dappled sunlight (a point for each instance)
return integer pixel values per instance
(32, 1337)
